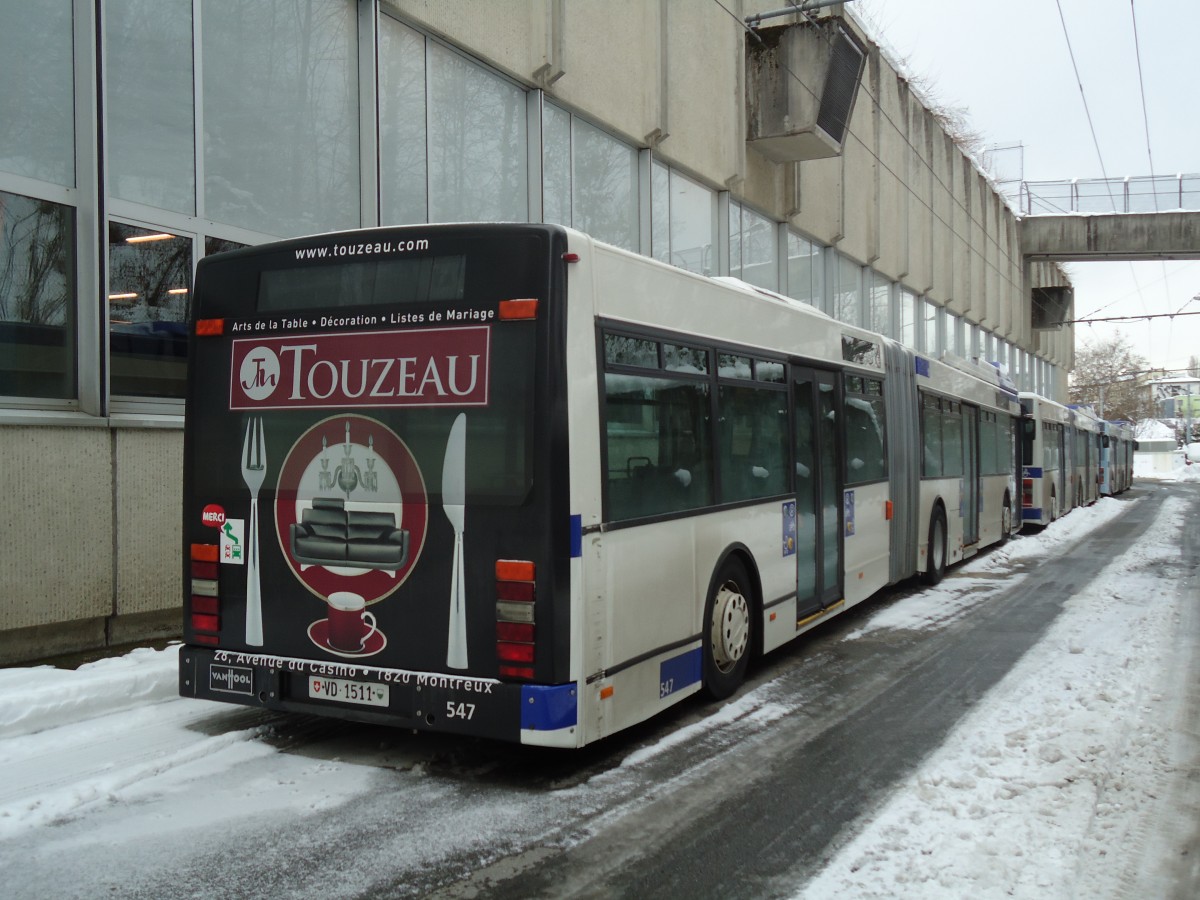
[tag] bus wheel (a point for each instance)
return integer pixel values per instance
(728, 622)
(1006, 520)
(935, 559)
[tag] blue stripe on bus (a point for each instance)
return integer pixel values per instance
(921, 366)
(678, 672)
(548, 707)
(1032, 513)
(1031, 471)
(576, 537)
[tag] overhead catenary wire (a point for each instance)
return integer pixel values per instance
(1083, 96)
(1137, 318)
(1142, 88)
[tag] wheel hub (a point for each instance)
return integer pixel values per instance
(730, 627)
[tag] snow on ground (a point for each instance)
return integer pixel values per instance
(1039, 793)
(1045, 790)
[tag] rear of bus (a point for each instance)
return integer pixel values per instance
(374, 513)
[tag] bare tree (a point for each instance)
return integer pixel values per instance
(1110, 376)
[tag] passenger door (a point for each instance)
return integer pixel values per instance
(818, 489)
(970, 496)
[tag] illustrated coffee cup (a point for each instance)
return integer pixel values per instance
(350, 625)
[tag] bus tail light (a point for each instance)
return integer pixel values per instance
(205, 603)
(210, 327)
(512, 310)
(1027, 492)
(515, 626)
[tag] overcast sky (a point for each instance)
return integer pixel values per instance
(1008, 64)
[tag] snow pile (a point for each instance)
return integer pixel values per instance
(1145, 468)
(1042, 792)
(33, 699)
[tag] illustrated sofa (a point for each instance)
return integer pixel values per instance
(328, 534)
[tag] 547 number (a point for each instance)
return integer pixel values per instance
(460, 710)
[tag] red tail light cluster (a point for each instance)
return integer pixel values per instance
(1027, 492)
(515, 628)
(205, 600)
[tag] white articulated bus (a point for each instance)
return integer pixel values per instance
(1086, 453)
(1045, 469)
(1116, 457)
(507, 481)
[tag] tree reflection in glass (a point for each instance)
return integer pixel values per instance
(37, 300)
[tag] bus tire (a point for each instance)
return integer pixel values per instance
(935, 557)
(1006, 520)
(728, 627)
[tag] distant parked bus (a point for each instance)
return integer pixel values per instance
(503, 480)
(1116, 457)
(1085, 449)
(1045, 474)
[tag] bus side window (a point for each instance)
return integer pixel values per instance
(657, 443)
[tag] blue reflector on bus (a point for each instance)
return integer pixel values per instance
(576, 537)
(921, 366)
(1032, 513)
(548, 707)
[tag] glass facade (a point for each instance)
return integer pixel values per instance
(907, 319)
(753, 247)
(806, 270)
(847, 291)
(402, 130)
(478, 171)
(37, 104)
(589, 179)
(150, 114)
(684, 221)
(280, 104)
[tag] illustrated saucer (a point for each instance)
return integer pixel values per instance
(318, 633)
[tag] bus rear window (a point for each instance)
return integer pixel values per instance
(367, 282)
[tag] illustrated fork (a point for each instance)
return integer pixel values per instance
(254, 472)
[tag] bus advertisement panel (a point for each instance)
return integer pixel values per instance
(370, 516)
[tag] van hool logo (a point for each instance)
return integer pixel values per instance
(424, 367)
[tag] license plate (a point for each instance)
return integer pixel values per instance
(343, 691)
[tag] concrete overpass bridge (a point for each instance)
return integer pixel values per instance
(1146, 218)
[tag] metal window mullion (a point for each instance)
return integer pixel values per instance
(723, 202)
(781, 258)
(368, 114)
(198, 110)
(646, 201)
(91, 335)
(535, 152)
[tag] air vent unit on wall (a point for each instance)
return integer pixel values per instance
(801, 83)
(1051, 306)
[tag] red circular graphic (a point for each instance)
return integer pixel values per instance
(360, 461)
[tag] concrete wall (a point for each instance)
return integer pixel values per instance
(1126, 236)
(89, 549)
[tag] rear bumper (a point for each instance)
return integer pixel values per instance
(546, 715)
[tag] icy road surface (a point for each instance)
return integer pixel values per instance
(1075, 775)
